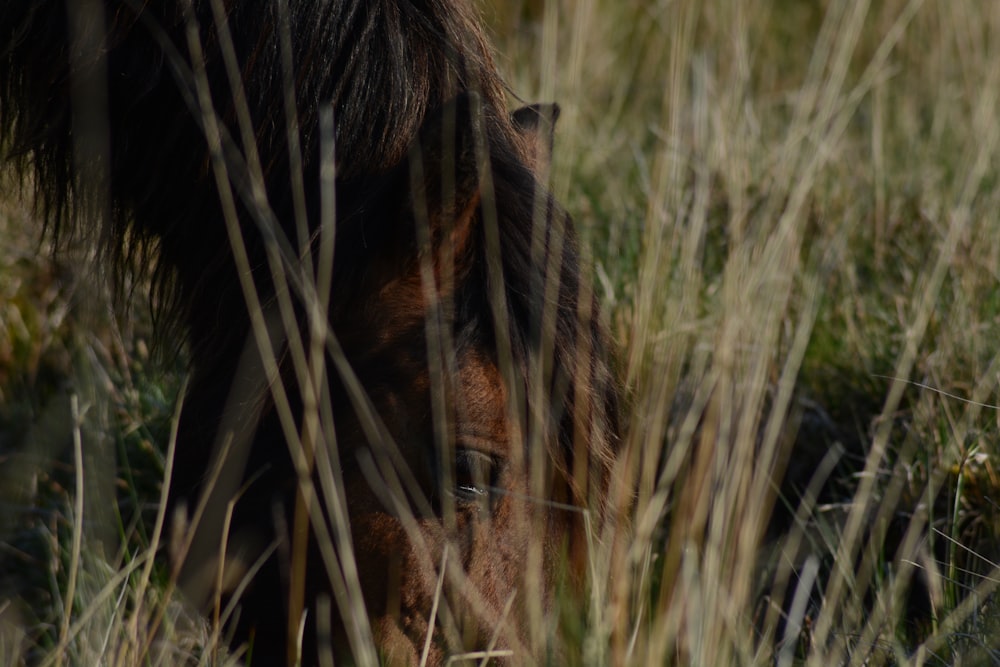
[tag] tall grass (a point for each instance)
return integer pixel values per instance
(791, 212)
(791, 201)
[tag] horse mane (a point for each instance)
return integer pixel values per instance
(583, 405)
(350, 58)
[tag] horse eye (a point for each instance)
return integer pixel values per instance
(475, 474)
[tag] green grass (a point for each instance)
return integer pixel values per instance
(791, 208)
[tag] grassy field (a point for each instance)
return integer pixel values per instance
(791, 208)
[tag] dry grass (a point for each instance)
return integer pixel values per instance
(789, 205)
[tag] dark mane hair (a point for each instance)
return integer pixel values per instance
(582, 390)
(379, 97)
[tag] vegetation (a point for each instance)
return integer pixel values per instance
(792, 213)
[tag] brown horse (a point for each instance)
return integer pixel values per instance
(400, 407)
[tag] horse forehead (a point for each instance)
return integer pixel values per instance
(482, 396)
(477, 386)
(393, 344)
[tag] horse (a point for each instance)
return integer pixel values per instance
(400, 411)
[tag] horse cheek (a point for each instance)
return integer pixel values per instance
(495, 565)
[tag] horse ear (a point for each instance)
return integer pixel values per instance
(537, 125)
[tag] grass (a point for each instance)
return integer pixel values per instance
(791, 210)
